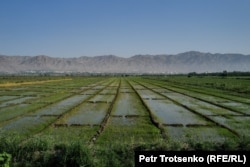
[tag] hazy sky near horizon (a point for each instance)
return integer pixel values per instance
(74, 28)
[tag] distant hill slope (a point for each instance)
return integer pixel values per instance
(180, 63)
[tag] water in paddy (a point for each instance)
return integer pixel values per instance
(102, 98)
(148, 94)
(128, 104)
(87, 114)
(170, 113)
(6, 98)
(245, 108)
(26, 124)
(122, 121)
(199, 106)
(240, 124)
(15, 101)
(62, 106)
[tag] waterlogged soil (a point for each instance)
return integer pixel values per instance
(128, 104)
(86, 114)
(6, 98)
(244, 108)
(102, 98)
(148, 94)
(240, 124)
(169, 113)
(90, 92)
(199, 106)
(26, 125)
(16, 110)
(108, 91)
(62, 106)
(126, 90)
(15, 101)
(161, 90)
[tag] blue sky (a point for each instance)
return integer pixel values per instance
(74, 28)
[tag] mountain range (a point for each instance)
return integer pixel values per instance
(186, 62)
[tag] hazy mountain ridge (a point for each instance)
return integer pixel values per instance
(180, 63)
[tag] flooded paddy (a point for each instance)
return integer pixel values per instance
(238, 106)
(148, 94)
(169, 113)
(11, 112)
(120, 110)
(6, 98)
(240, 124)
(27, 125)
(62, 106)
(107, 98)
(15, 101)
(86, 114)
(128, 104)
(198, 105)
(90, 92)
(109, 90)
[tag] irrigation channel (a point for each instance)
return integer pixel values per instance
(122, 110)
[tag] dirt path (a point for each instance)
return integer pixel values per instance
(10, 84)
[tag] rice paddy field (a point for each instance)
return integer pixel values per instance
(100, 121)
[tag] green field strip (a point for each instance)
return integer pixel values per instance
(222, 86)
(199, 133)
(69, 134)
(210, 91)
(152, 117)
(108, 113)
(233, 106)
(129, 134)
(129, 129)
(200, 106)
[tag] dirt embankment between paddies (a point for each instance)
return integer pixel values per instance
(10, 84)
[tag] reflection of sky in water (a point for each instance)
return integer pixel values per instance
(88, 114)
(62, 106)
(170, 113)
(23, 124)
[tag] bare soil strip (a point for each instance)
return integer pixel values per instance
(10, 84)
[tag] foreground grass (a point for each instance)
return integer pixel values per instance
(38, 152)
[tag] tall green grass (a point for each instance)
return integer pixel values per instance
(45, 151)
